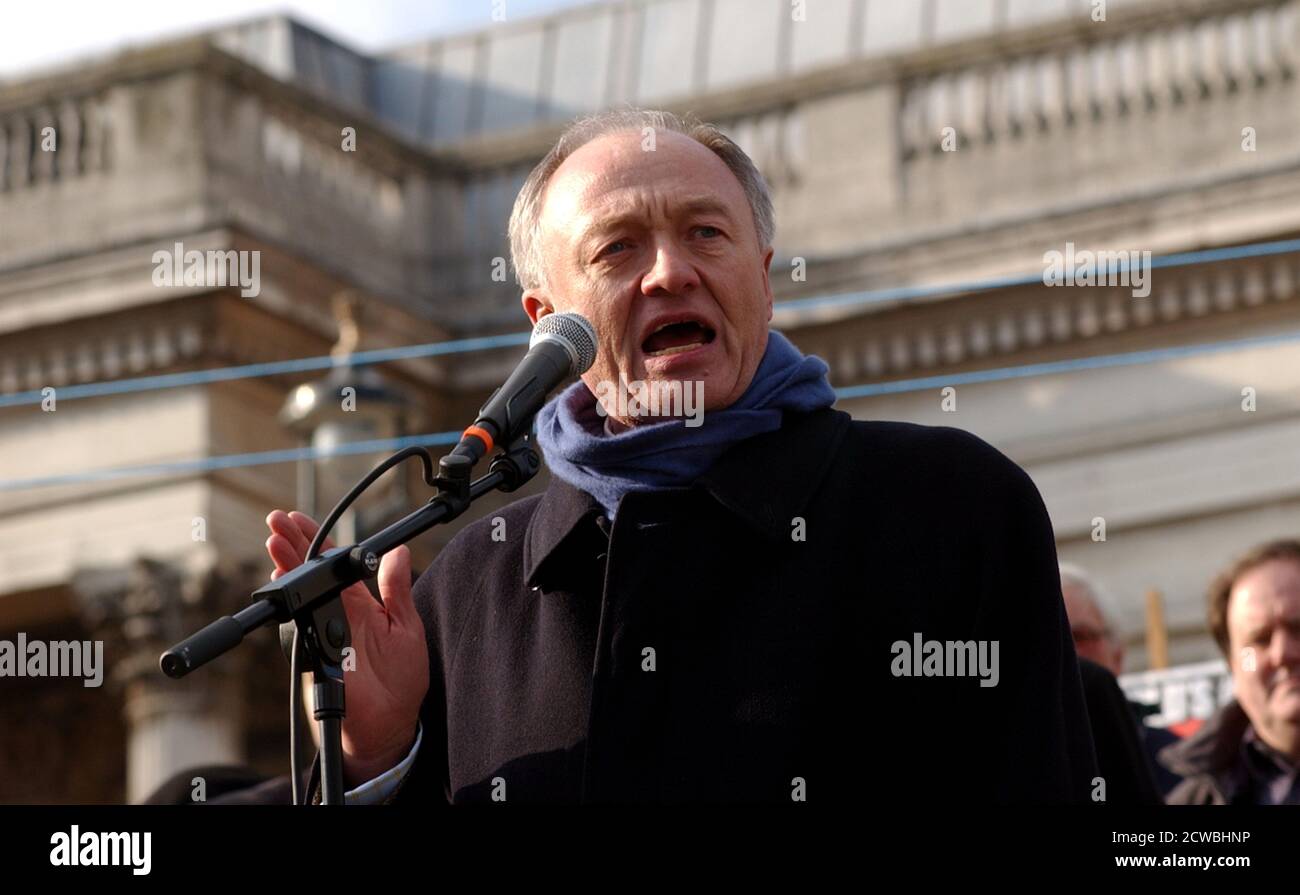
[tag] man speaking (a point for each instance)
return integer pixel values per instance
(769, 603)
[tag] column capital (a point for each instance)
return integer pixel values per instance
(151, 603)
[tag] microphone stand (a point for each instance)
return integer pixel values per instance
(308, 596)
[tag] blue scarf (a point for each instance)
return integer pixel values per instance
(670, 454)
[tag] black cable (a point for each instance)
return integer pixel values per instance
(295, 681)
(295, 707)
(342, 506)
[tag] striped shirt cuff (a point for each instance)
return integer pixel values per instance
(377, 791)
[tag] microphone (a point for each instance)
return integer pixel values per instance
(561, 345)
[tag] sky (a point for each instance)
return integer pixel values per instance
(47, 33)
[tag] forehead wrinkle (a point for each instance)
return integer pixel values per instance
(612, 208)
(624, 207)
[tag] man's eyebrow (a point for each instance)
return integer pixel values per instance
(706, 205)
(700, 205)
(595, 231)
(1254, 630)
(616, 220)
(613, 222)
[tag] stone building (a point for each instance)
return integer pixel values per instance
(915, 150)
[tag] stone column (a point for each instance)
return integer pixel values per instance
(138, 611)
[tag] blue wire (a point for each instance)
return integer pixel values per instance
(269, 368)
(849, 392)
(231, 461)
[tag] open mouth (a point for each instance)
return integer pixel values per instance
(674, 338)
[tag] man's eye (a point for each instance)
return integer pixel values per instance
(708, 232)
(615, 246)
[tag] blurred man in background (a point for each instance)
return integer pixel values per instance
(1249, 751)
(1126, 745)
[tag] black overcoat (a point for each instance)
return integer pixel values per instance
(739, 641)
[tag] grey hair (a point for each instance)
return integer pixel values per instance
(1077, 579)
(525, 218)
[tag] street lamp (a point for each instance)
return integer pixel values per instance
(351, 404)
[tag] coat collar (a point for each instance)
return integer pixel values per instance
(1213, 751)
(766, 480)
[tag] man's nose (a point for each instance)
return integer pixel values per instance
(1286, 647)
(672, 272)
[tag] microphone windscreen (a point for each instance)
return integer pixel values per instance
(573, 332)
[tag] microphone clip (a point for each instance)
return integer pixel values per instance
(517, 464)
(452, 482)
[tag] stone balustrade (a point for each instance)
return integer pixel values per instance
(77, 129)
(206, 142)
(1115, 73)
(1102, 113)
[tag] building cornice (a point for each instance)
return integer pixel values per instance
(1036, 323)
(198, 54)
(1053, 36)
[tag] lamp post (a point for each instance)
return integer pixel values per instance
(351, 404)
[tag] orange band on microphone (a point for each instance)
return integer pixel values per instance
(481, 434)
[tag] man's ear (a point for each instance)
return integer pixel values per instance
(767, 280)
(536, 305)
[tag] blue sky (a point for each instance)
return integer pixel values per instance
(50, 32)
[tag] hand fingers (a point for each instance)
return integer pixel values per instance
(283, 553)
(280, 523)
(291, 535)
(309, 527)
(395, 583)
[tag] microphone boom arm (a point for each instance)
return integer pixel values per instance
(308, 596)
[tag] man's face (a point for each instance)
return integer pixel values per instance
(1264, 643)
(1092, 639)
(633, 239)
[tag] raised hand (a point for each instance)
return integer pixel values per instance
(391, 678)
